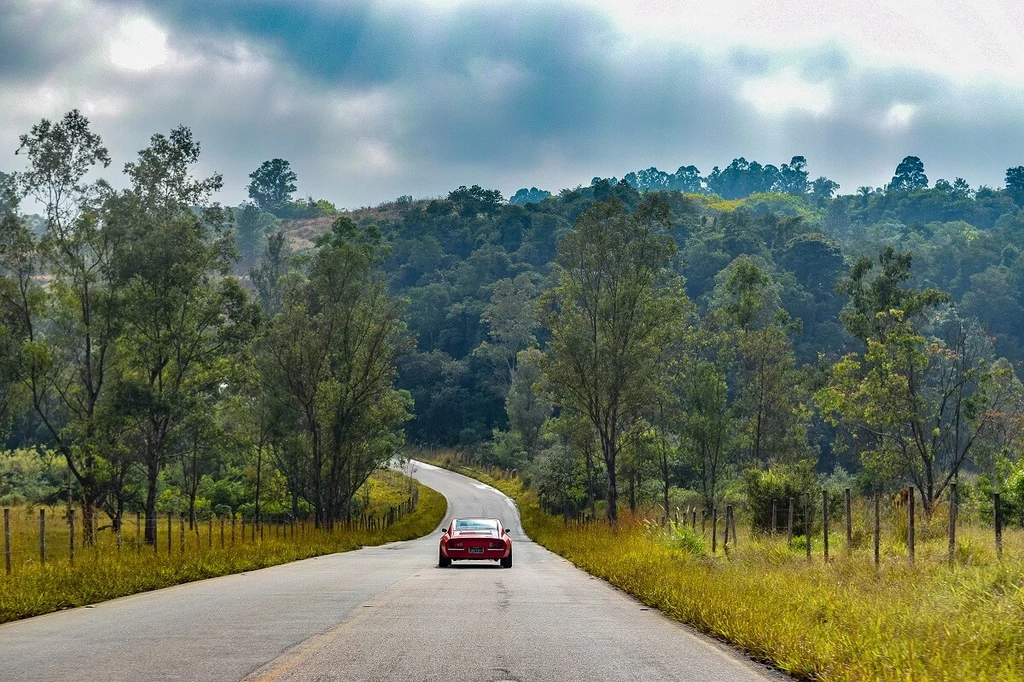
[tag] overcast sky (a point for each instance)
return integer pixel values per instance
(372, 99)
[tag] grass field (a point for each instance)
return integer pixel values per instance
(843, 620)
(102, 572)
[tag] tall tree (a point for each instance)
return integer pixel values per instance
(1015, 184)
(793, 177)
(183, 316)
(919, 406)
(871, 298)
(616, 303)
(272, 184)
(21, 296)
(331, 363)
(909, 175)
(266, 276)
(527, 405)
(511, 320)
(769, 400)
(252, 226)
(71, 354)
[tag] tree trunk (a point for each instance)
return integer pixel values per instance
(608, 448)
(152, 473)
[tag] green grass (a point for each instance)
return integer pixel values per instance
(838, 621)
(104, 574)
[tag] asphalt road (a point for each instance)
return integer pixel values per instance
(381, 613)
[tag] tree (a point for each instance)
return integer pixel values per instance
(8, 194)
(650, 179)
(707, 421)
(822, 188)
(273, 184)
(793, 177)
(330, 361)
(527, 404)
(687, 179)
(182, 318)
(525, 196)
(1015, 184)
(909, 176)
(768, 399)
(251, 229)
(511, 320)
(616, 303)
(473, 201)
(70, 354)
(917, 405)
(21, 297)
(866, 314)
(266, 276)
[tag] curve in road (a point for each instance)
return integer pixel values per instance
(380, 613)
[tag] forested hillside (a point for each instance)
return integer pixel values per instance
(671, 330)
(782, 274)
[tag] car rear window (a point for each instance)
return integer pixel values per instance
(476, 524)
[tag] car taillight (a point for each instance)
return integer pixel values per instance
(497, 545)
(457, 544)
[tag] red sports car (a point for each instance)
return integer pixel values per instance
(475, 539)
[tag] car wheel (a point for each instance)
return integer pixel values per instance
(442, 560)
(507, 562)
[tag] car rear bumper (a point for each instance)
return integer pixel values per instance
(465, 554)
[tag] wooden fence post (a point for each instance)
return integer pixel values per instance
(878, 527)
(209, 531)
(728, 515)
(714, 529)
(849, 522)
(71, 537)
(138, 532)
(7, 539)
(42, 537)
(232, 529)
(807, 523)
(998, 518)
(735, 536)
(910, 524)
(789, 532)
(120, 533)
(952, 523)
(222, 532)
(181, 531)
(170, 519)
(774, 512)
(824, 520)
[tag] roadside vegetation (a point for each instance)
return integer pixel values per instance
(657, 347)
(841, 620)
(101, 572)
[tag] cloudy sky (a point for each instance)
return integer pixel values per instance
(371, 99)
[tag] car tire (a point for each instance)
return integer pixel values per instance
(442, 560)
(507, 561)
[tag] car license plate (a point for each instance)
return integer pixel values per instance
(476, 550)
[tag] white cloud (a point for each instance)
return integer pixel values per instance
(786, 92)
(138, 44)
(959, 40)
(900, 115)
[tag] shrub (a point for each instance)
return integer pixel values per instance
(681, 537)
(778, 484)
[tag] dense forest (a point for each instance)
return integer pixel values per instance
(662, 334)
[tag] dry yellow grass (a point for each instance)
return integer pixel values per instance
(843, 620)
(101, 572)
